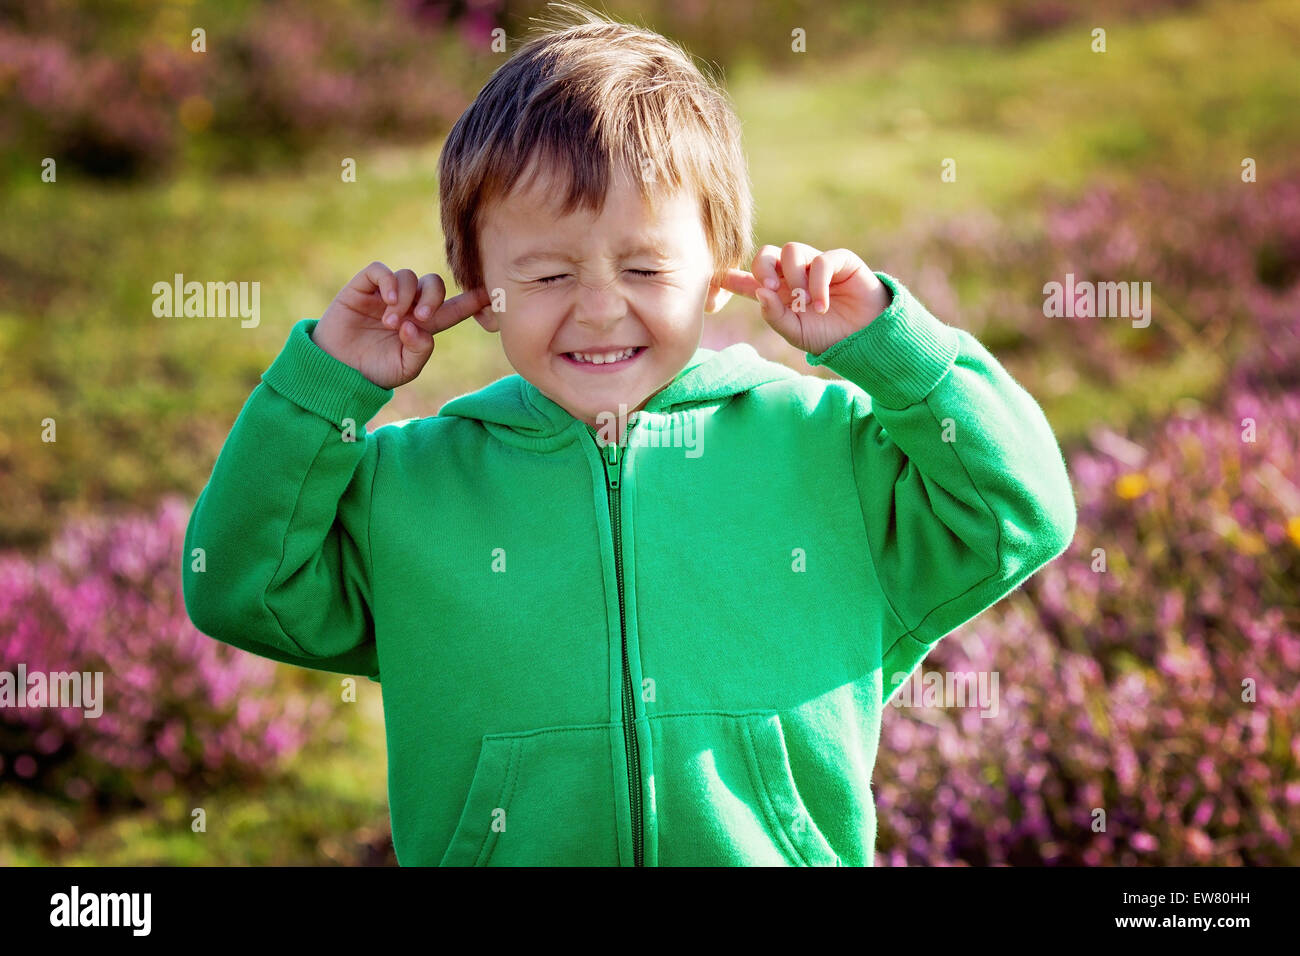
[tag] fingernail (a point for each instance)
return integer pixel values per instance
(772, 284)
(821, 306)
(422, 311)
(392, 297)
(390, 320)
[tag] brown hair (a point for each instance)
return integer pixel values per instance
(585, 99)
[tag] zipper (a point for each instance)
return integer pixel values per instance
(613, 462)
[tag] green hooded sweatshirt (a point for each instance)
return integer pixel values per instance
(673, 651)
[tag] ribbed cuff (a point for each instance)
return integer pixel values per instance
(309, 376)
(900, 357)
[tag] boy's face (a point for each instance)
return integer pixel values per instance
(610, 291)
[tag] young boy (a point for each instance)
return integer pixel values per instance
(641, 603)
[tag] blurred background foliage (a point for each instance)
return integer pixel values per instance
(225, 164)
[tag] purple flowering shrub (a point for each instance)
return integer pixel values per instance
(1161, 690)
(1220, 262)
(280, 76)
(178, 707)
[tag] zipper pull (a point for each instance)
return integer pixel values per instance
(611, 464)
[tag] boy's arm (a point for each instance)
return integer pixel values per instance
(284, 520)
(963, 487)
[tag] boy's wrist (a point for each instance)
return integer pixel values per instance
(309, 376)
(899, 356)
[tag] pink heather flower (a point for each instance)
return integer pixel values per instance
(166, 687)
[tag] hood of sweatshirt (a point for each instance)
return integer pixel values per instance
(514, 410)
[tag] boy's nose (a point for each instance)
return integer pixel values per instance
(599, 304)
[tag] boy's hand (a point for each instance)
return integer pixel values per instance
(792, 283)
(383, 323)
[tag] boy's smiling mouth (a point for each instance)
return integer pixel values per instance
(604, 359)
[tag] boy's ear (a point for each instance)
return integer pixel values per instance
(488, 319)
(717, 296)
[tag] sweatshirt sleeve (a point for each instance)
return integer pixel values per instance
(284, 520)
(963, 487)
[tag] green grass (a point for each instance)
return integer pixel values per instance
(856, 149)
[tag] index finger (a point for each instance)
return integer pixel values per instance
(741, 283)
(457, 309)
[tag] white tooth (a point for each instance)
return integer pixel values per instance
(603, 357)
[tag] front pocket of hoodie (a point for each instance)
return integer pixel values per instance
(540, 798)
(725, 795)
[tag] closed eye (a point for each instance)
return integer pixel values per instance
(549, 279)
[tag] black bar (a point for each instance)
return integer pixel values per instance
(925, 907)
